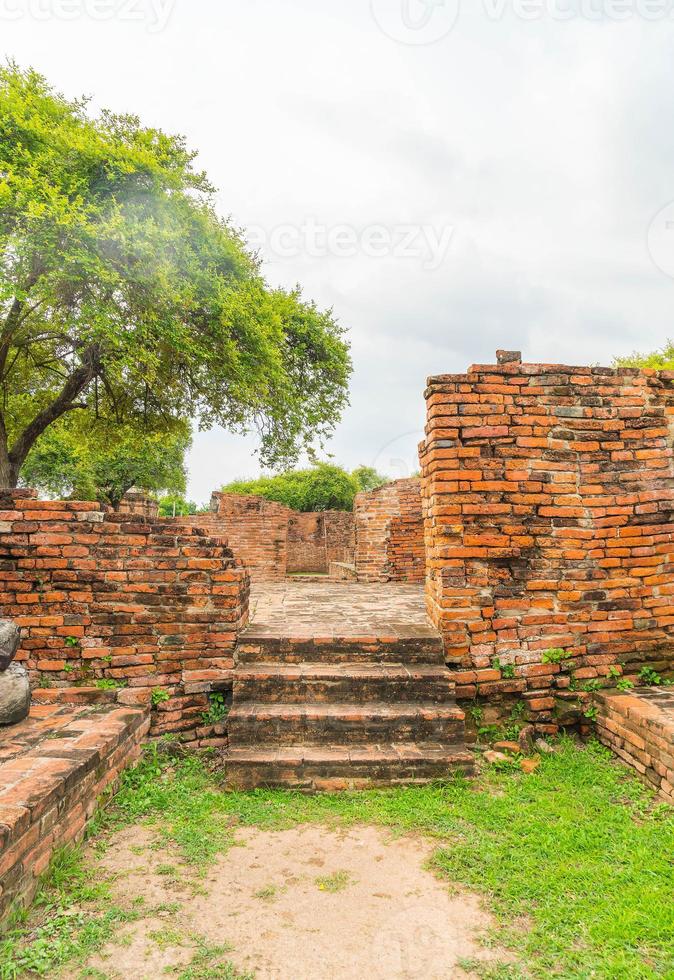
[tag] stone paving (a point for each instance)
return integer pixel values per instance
(334, 610)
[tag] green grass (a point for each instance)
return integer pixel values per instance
(336, 882)
(574, 861)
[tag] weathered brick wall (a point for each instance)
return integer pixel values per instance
(273, 540)
(639, 727)
(390, 533)
(54, 768)
(151, 605)
(549, 496)
(316, 539)
(256, 530)
(135, 502)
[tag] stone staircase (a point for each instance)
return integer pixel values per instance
(326, 713)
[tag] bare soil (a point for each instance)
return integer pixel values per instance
(310, 903)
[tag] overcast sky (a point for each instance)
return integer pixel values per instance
(449, 179)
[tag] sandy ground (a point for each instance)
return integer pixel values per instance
(309, 903)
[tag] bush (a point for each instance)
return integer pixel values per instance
(323, 487)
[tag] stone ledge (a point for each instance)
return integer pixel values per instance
(639, 727)
(54, 766)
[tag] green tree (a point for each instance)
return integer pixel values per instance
(175, 505)
(98, 459)
(368, 478)
(322, 487)
(662, 359)
(119, 282)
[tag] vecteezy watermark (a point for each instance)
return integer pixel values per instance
(426, 244)
(154, 14)
(399, 457)
(660, 240)
(415, 21)
(427, 21)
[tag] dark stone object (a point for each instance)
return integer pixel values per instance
(508, 356)
(14, 694)
(10, 635)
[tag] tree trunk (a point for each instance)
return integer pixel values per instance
(9, 473)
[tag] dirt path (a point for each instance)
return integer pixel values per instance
(303, 904)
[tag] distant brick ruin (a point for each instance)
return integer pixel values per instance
(548, 497)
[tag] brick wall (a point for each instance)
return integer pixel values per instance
(256, 530)
(549, 496)
(639, 727)
(135, 502)
(107, 596)
(316, 539)
(390, 533)
(54, 768)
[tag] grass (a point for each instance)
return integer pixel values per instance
(336, 882)
(574, 861)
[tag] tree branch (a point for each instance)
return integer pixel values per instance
(64, 402)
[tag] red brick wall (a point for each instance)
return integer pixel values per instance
(256, 530)
(101, 595)
(51, 786)
(390, 533)
(639, 727)
(549, 495)
(316, 539)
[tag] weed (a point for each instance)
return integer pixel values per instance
(555, 655)
(624, 684)
(72, 641)
(159, 696)
(108, 684)
(267, 894)
(217, 710)
(592, 685)
(336, 882)
(208, 963)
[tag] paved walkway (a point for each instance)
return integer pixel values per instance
(335, 610)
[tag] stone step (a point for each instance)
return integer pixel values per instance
(253, 648)
(294, 724)
(340, 767)
(350, 683)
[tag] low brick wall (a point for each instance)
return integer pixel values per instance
(154, 606)
(390, 533)
(54, 767)
(139, 504)
(639, 727)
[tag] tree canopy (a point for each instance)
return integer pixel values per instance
(321, 487)
(97, 459)
(660, 360)
(124, 295)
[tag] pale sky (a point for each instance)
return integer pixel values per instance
(449, 178)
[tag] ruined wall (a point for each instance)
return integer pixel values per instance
(135, 502)
(150, 605)
(256, 530)
(549, 496)
(390, 533)
(316, 539)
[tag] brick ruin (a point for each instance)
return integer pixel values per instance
(549, 495)
(390, 533)
(382, 540)
(152, 605)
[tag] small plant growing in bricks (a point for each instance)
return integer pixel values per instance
(108, 684)
(555, 655)
(507, 670)
(159, 696)
(624, 684)
(217, 709)
(592, 685)
(72, 641)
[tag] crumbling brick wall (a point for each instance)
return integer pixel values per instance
(136, 502)
(256, 530)
(153, 605)
(390, 533)
(549, 496)
(316, 539)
